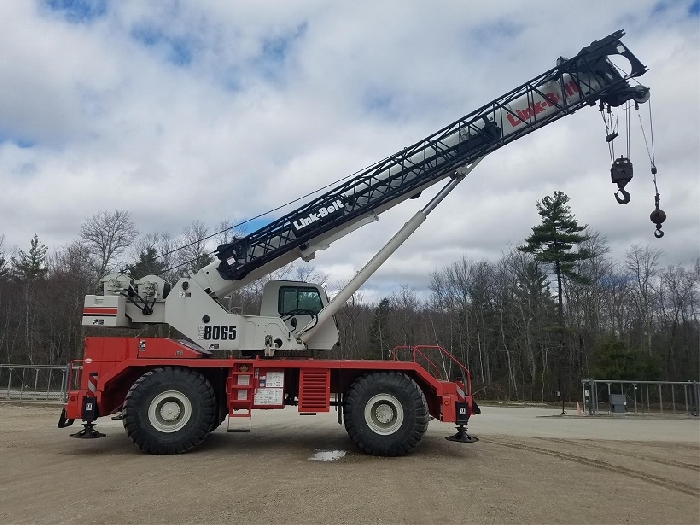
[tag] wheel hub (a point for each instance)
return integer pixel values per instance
(169, 411)
(384, 414)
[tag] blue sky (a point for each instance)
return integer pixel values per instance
(214, 110)
(78, 11)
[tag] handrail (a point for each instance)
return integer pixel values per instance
(418, 350)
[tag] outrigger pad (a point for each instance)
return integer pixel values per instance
(88, 432)
(462, 437)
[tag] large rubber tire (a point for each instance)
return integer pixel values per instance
(169, 410)
(385, 414)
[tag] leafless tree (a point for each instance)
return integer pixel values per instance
(195, 248)
(107, 235)
(642, 264)
(3, 257)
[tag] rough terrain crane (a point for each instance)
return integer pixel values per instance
(173, 393)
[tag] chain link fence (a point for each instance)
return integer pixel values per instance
(640, 397)
(34, 382)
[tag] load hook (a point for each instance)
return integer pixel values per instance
(621, 173)
(625, 196)
(658, 216)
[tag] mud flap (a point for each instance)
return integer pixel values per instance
(63, 421)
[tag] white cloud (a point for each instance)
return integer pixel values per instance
(203, 110)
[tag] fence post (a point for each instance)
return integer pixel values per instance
(673, 398)
(48, 383)
(648, 405)
(596, 397)
(36, 382)
(9, 382)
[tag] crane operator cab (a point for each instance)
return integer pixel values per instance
(298, 304)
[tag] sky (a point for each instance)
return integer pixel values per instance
(217, 110)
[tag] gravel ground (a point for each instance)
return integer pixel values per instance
(526, 469)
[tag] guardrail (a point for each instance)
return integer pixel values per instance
(33, 382)
(645, 397)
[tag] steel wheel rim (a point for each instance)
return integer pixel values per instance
(384, 414)
(169, 411)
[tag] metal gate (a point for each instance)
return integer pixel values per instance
(33, 382)
(642, 397)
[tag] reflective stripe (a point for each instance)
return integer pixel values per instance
(100, 310)
(460, 392)
(92, 382)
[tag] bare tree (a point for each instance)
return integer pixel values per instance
(353, 328)
(107, 235)
(3, 257)
(226, 233)
(195, 251)
(642, 263)
(678, 302)
(307, 273)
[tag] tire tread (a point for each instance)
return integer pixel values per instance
(136, 398)
(354, 425)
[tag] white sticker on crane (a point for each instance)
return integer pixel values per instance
(275, 380)
(268, 396)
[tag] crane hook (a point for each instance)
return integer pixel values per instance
(621, 173)
(658, 216)
(625, 196)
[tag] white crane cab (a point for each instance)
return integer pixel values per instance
(298, 304)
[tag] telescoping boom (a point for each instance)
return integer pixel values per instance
(586, 79)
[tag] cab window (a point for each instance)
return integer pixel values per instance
(299, 298)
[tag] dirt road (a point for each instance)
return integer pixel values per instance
(525, 469)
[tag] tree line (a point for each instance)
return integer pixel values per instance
(527, 327)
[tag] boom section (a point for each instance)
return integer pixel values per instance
(588, 78)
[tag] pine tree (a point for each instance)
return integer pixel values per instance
(552, 242)
(31, 265)
(148, 264)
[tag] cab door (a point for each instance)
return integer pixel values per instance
(298, 305)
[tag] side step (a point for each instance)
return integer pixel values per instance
(245, 416)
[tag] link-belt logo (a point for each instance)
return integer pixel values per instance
(320, 214)
(550, 99)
